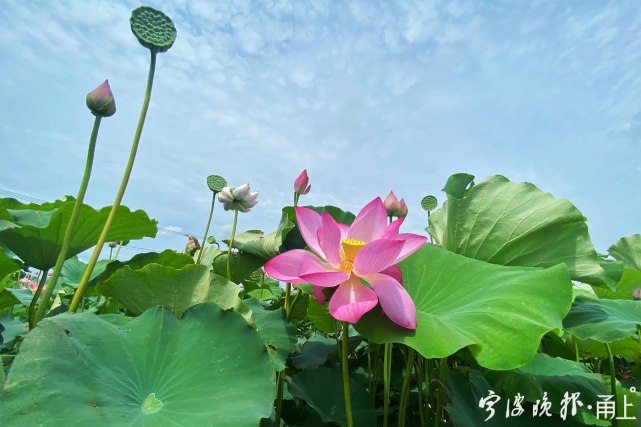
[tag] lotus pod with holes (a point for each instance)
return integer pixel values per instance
(153, 29)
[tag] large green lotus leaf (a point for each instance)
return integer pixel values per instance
(315, 352)
(462, 302)
(279, 334)
(10, 328)
(242, 265)
(629, 282)
(466, 388)
(7, 265)
(210, 368)
(168, 258)
(176, 289)
(322, 389)
(39, 238)
(256, 243)
(628, 250)
(517, 224)
(319, 315)
(12, 296)
(294, 240)
(553, 375)
(628, 347)
(603, 320)
(73, 269)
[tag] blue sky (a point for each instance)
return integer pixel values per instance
(368, 96)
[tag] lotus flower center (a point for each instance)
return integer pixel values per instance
(350, 248)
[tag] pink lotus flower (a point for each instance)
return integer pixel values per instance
(301, 185)
(369, 249)
(394, 207)
(636, 294)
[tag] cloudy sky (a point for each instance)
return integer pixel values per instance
(367, 96)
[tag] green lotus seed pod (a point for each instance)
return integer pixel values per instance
(216, 183)
(153, 29)
(429, 203)
(256, 275)
(212, 240)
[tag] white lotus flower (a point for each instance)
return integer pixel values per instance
(238, 199)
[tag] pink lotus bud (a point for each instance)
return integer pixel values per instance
(391, 204)
(394, 207)
(402, 209)
(301, 185)
(101, 101)
(637, 294)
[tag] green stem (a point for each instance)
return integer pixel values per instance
(406, 387)
(64, 250)
(576, 349)
(204, 240)
(419, 379)
(36, 295)
(442, 369)
(231, 243)
(120, 243)
(387, 372)
(279, 398)
(345, 367)
(80, 291)
(288, 290)
(613, 380)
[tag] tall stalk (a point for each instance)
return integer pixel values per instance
(62, 256)
(345, 369)
(80, 291)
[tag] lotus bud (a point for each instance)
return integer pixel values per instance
(301, 184)
(101, 101)
(637, 294)
(390, 203)
(394, 207)
(402, 209)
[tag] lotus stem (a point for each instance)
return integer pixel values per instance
(279, 397)
(387, 373)
(36, 295)
(204, 240)
(613, 380)
(345, 368)
(442, 369)
(406, 387)
(419, 379)
(80, 291)
(64, 250)
(231, 243)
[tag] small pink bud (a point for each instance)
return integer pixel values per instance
(637, 294)
(391, 204)
(301, 185)
(101, 101)
(394, 207)
(402, 209)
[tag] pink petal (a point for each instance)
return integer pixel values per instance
(352, 300)
(285, 266)
(395, 301)
(344, 230)
(330, 239)
(318, 293)
(394, 272)
(312, 270)
(376, 256)
(326, 279)
(392, 230)
(370, 223)
(413, 242)
(309, 222)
